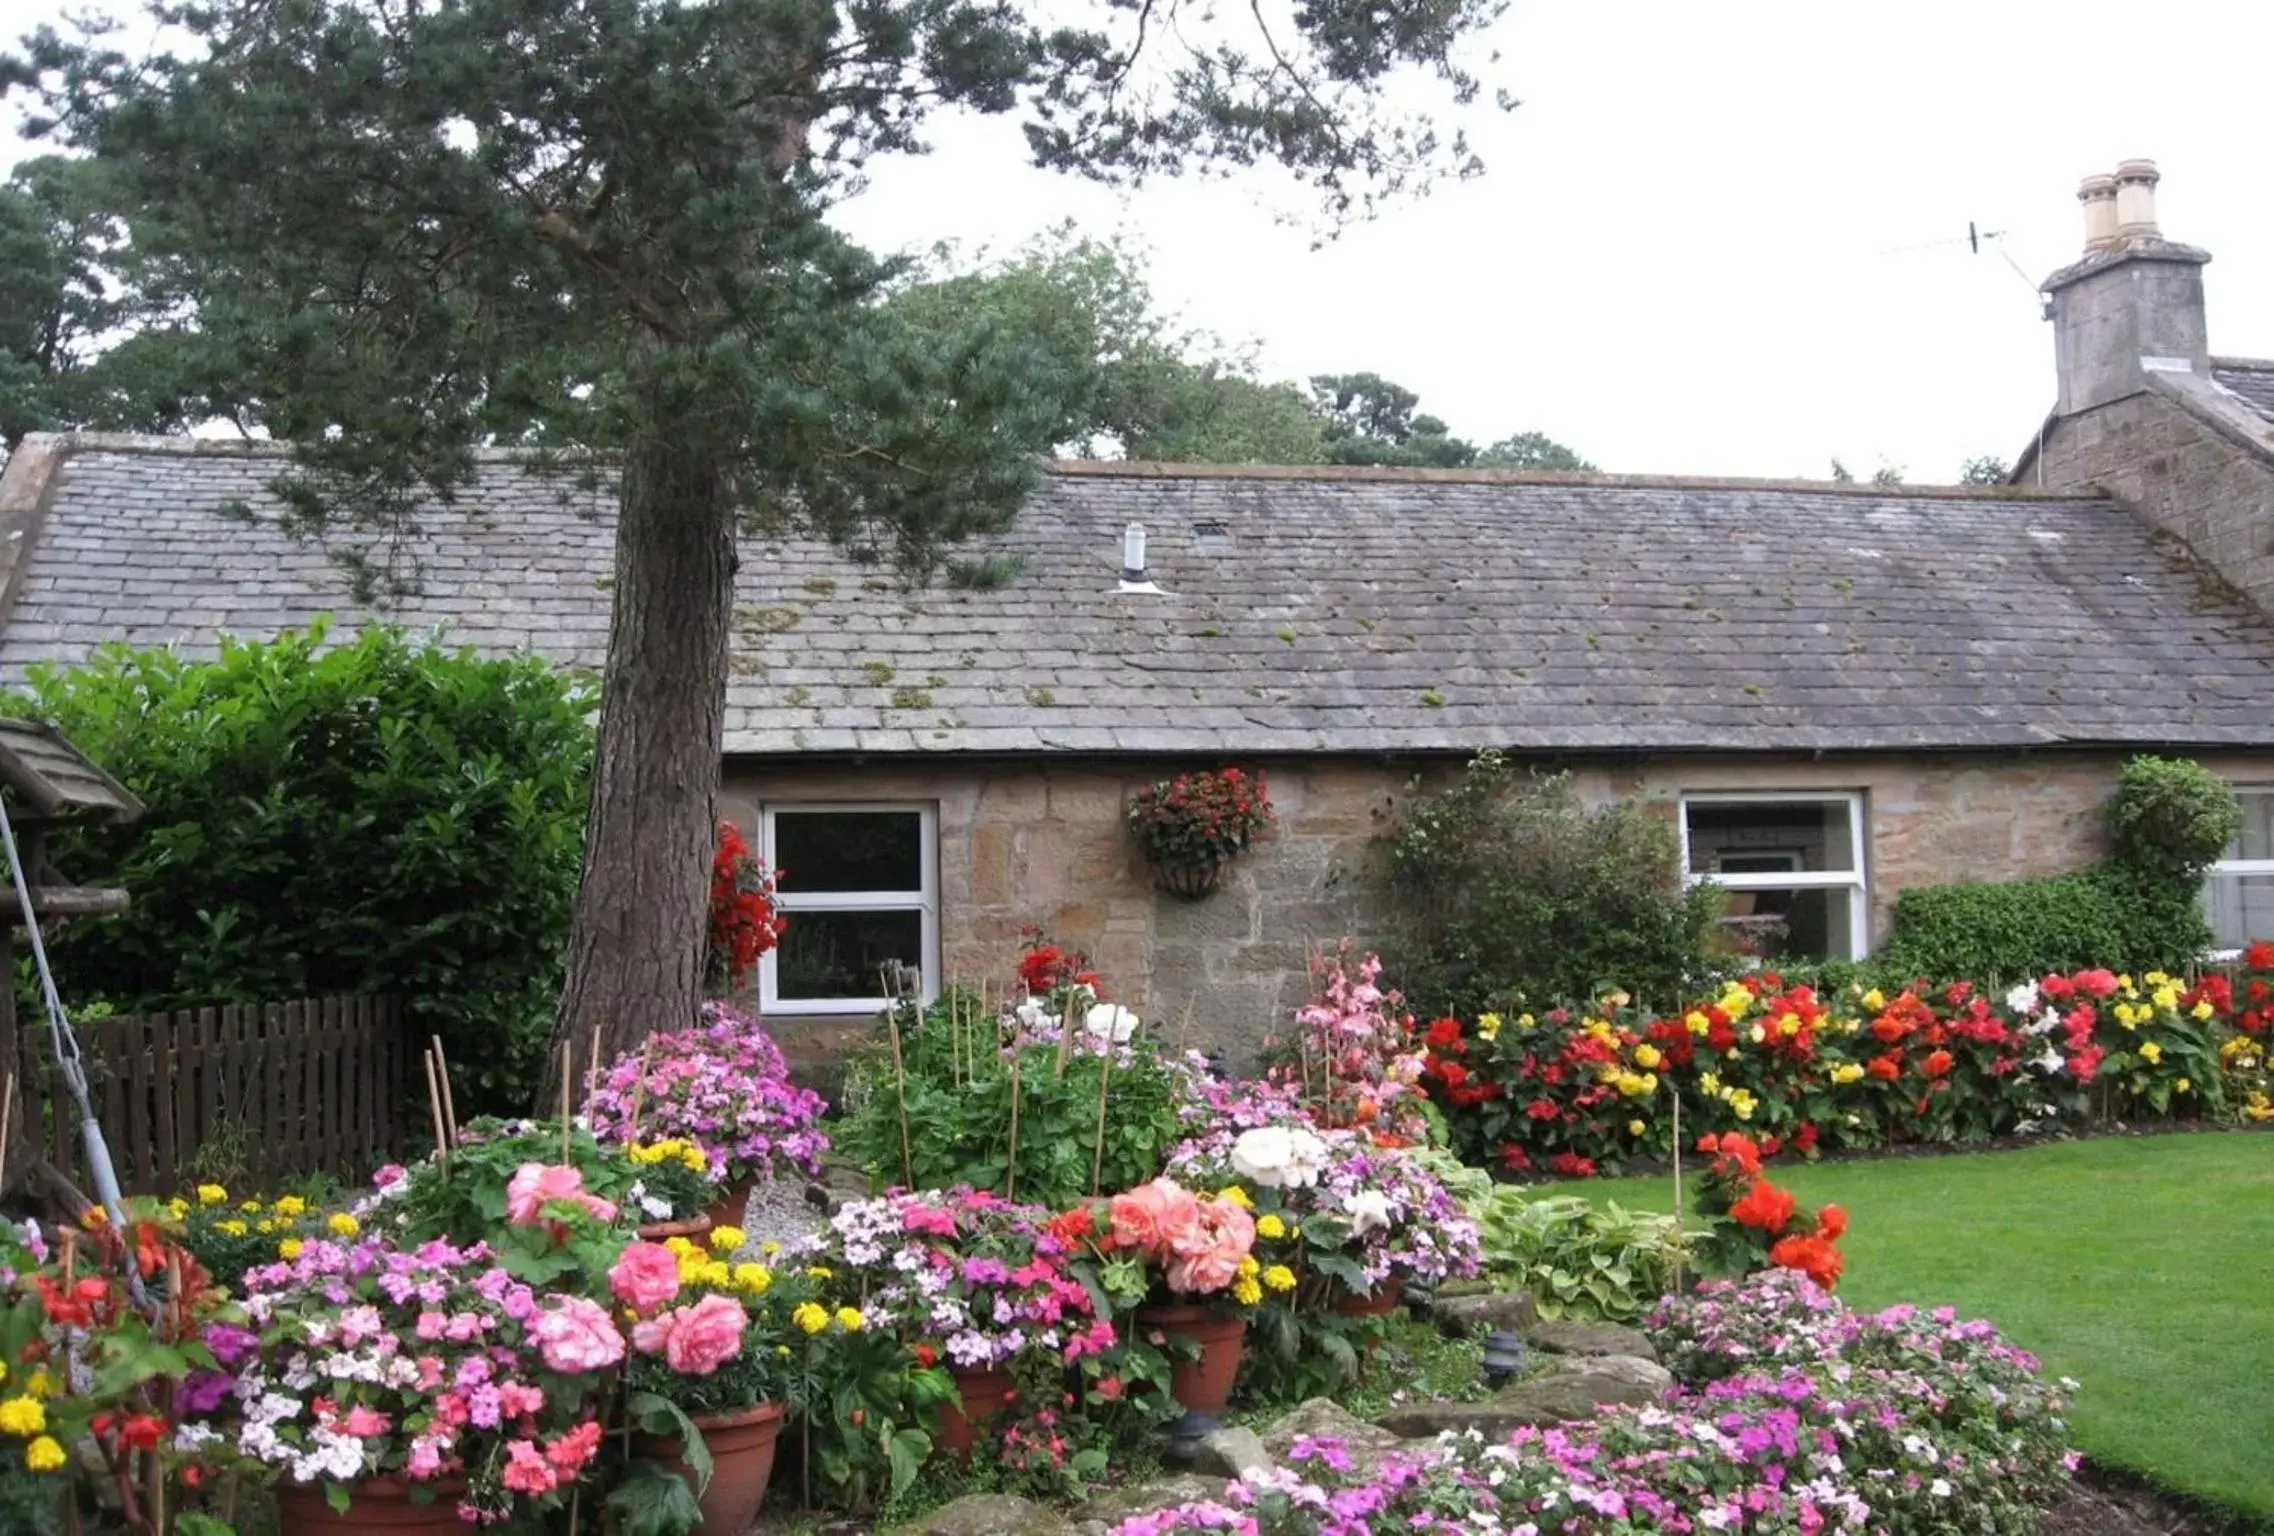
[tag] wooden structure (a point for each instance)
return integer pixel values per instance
(47, 782)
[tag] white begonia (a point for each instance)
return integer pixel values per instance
(2044, 1024)
(2022, 999)
(1031, 1014)
(2049, 1063)
(1110, 1022)
(1278, 1156)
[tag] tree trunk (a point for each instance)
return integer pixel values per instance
(635, 952)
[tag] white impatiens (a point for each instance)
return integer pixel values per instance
(1110, 1022)
(1279, 1156)
(1369, 1211)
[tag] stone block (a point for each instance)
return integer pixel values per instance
(1322, 1418)
(1231, 1453)
(1226, 916)
(1482, 1312)
(1595, 1340)
(1568, 1390)
(990, 1514)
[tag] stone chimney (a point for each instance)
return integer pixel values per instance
(2134, 304)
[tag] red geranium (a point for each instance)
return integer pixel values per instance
(1764, 1207)
(1812, 1256)
(744, 922)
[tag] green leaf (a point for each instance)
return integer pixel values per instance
(906, 1449)
(653, 1502)
(661, 1416)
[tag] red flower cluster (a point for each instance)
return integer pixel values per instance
(1757, 1220)
(744, 924)
(1045, 967)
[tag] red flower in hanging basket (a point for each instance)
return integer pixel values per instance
(1200, 820)
(745, 923)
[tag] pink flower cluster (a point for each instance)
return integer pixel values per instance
(694, 1340)
(535, 1186)
(723, 1086)
(1200, 1243)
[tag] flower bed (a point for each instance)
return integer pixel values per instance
(1792, 1415)
(1574, 1091)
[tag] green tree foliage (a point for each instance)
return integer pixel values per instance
(382, 817)
(1504, 887)
(2136, 910)
(1366, 419)
(1985, 470)
(598, 228)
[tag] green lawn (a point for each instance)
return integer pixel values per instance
(2143, 1267)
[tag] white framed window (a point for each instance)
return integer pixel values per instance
(859, 883)
(2238, 893)
(1793, 865)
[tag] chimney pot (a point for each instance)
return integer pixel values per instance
(2136, 200)
(2098, 194)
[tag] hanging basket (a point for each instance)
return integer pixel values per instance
(1190, 881)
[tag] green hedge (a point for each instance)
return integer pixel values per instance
(383, 817)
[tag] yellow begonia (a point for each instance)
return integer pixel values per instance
(1696, 1023)
(2165, 996)
(1636, 1128)
(1279, 1278)
(22, 1416)
(1246, 1292)
(1709, 1085)
(727, 1239)
(2202, 1010)
(2150, 1052)
(1236, 1196)
(810, 1316)
(43, 1455)
(1875, 1000)
(341, 1224)
(1741, 1103)
(1488, 1026)
(1647, 1056)
(1788, 1025)
(212, 1194)
(1524, 1021)
(1846, 1072)
(1269, 1225)
(2183, 1085)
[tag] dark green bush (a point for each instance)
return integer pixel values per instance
(385, 817)
(2135, 910)
(1503, 885)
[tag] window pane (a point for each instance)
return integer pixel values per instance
(1790, 925)
(849, 851)
(840, 954)
(2257, 840)
(1752, 836)
(2240, 907)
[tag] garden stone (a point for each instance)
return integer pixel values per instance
(1108, 1507)
(990, 1514)
(1597, 1339)
(1572, 1387)
(1231, 1452)
(1322, 1418)
(1478, 1313)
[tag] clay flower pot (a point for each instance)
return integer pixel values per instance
(377, 1506)
(733, 1203)
(693, 1228)
(1379, 1302)
(742, 1464)
(984, 1395)
(1204, 1384)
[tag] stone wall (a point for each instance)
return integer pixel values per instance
(1027, 843)
(2188, 461)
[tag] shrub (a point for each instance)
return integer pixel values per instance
(2135, 910)
(1504, 886)
(1579, 1260)
(383, 817)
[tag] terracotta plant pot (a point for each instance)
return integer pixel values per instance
(1379, 1302)
(733, 1204)
(377, 1506)
(693, 1228)
(1203, 1385)
(742, 1464)
(984, 1395)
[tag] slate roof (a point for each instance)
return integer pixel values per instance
(2249, 377)
(1302, 611)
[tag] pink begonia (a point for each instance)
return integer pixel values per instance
(575, 1335)
(535, 1184)
(1211, 1260)
(696, 1340)
(1153, 1217)
(645, 1277)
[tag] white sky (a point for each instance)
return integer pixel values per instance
(1705, 243)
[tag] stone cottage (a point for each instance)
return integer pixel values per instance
(1834, 691)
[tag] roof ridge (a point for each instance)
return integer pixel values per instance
(1141, 469)
(2244, 364)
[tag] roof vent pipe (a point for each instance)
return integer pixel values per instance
(1133, 553)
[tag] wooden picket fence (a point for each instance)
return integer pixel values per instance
(292, 1089)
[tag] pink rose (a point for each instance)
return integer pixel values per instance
(575, 1335)
(696, 1340)
(647, 1276)
(1151, 1217)
(534, 1184)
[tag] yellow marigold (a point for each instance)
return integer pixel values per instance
(288, 1249)
(2184, 1085)
(265, 1226)
(691, 1158)
(251, 1205)
(727, 1239)
(1269, 1225)
(1846, 1072)
(1647, 1056)
(40, 1385)
(1246, 1292)
(231, 1228)
(1279, 1278)
(810, 1316)
(850, 1319)
(683, 1247)
(2150, 1052)
(1636, 1128)
(22, 1415)
(43, 1455)
(819, 1271)
(177, 1208)
(769, 1247)
(341, 1224)
(1237, 1196)
(1488, 1026)
(212, 1194)
(290, 1205)
(1249, 1267)
(755, 1279)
